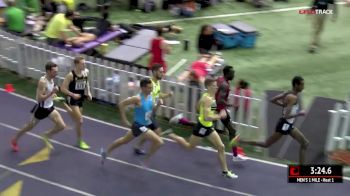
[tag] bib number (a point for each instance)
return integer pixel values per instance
(202, 131)
(80, 85)
(143, 129)
(285, 127)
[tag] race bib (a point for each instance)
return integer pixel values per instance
(202, 131)
(285, 127)
(80, 85)
(143, 129)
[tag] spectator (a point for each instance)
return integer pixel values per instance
(185, 8)
(206, 40)
(56, 28)
(319, 20)
(188, 8)
(14, 18)
(55, 31)
(242, 89)
(158, 49)
(102, 27)
(49, 8)
(30, 6)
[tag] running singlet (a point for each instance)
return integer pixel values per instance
(294, 111)
(143, 113)
(78, 84)
(48, 103)
(201, 111)
(156, 91)
(221, 80)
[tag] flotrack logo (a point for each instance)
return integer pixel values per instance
(315, 11)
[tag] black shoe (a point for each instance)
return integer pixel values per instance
(139, 151)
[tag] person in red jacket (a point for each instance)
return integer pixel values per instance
(158, 49)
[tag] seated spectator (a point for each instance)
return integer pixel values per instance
(30, 6)
(206, 40)
(56, 30)
(14, 19)
(187, 8)
(49, 8)
(102, 27)
(79, 21)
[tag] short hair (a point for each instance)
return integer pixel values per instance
(156, 67)
(297, 80)
(144, 82)
(243, 84)
(208, 81)
(69, 13)
(49, 65)
(78, 59)
(227, 69)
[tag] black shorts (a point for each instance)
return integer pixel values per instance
(73, 102)
(227, 120)
(137, 129)
(284, 127)
(202, 131)
(40, 112)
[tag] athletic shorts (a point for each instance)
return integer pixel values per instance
(202, 131)
(221, 124)
(40, 112)
(227, 120)
(284, 127)
(154, 122)
(138, 129)
(73, 102)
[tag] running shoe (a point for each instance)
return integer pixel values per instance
(229, 174)
(47, 142)
(138, 151)
(234, 141)
(238, 158)
(83, 145)
(176, 119)
(14, 145)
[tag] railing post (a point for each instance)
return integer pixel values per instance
(333, 128)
